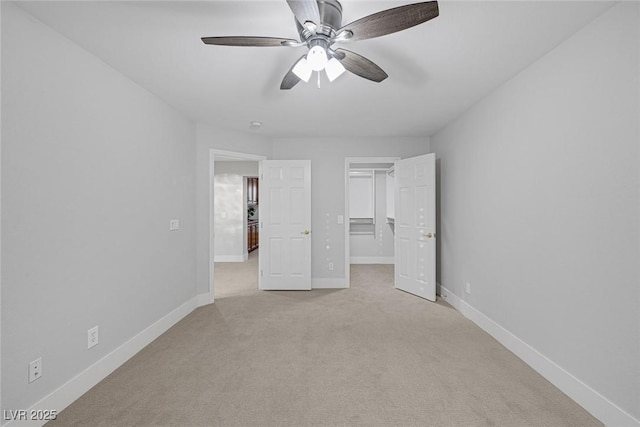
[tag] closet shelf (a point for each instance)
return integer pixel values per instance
(361, 221)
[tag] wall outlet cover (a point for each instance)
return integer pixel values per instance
(92, 337)
(35, 369)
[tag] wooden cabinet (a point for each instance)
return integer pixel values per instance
(252, 205)
(253, 235)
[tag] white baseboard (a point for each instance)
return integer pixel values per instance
(231, 258)
(372, 260)
(596, 404)
(204, 299)
(85, 380)
(328, 283)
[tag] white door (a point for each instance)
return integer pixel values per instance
(285, 221)
(415, 226)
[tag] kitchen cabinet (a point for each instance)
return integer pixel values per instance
(253, 235)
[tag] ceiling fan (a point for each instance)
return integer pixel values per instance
(319, 24)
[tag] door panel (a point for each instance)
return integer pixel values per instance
(285, 217)
(421, 206)
(275, 207)
(415, 226)
(297, 206)
(275, 259)
(402, 258)
(297, 257)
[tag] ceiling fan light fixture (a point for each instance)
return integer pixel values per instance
(334, 69)
(303, 70)
(317, 58)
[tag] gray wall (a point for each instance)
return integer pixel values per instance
(230, 214)
(539, 206)
(93, 168)
(327, 157)
(208, 138)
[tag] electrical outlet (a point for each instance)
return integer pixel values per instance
(92, 337)
(35, 369)
(174, 224)
(467, 287)
(330, 266)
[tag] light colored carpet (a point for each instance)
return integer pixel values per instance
(236, 278)
(365, 356)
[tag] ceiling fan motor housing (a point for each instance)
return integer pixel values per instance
(330, 14)
(330, 21)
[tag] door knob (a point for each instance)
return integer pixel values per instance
(428, 235)
(305, 232)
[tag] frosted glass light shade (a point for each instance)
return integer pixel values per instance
(334, 69)
(303, 70)
(317, 58)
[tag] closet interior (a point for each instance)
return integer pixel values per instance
(371, 213)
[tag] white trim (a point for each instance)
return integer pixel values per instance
(451, 298)
(347, 242)
(204, 299)
(328, 283)
(347, 247)
(212, 156)
(595, 403)
(372, 260)
(67, 393)
(212, 245)
(231, 258)
(239, 156)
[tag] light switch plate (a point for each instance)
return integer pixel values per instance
(174, 224)
(340, 219)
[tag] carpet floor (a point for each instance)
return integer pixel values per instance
(369, 355)
(236, 278)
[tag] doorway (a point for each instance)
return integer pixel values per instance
(410, 216)
(369, 237)
(233, 214)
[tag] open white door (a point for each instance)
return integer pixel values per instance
(285, 220)
(415, 225)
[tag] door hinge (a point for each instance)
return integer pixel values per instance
(261, 224)
(261, 274)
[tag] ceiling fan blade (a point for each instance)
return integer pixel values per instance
(290, 79)
(361, 66)
(249, 41)
(391, 20)
(305, 10)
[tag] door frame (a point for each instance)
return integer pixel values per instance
(347, 244)
(213, 153)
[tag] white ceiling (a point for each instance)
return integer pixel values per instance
(436, 70)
